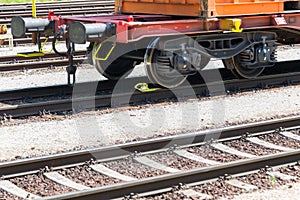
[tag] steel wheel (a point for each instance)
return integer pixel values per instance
(240, 71)
(114, 67)
(159, 70)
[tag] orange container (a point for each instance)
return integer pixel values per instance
(200, 8)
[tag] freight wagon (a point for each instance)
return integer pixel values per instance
(175, 38)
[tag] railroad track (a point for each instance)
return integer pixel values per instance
(153, 166)
(91, 7)
(12, 63)
(49, 4)
(7, 11)
(61, 98)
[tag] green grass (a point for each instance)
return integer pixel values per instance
(25, 1)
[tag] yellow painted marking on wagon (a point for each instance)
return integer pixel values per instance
(108, 54)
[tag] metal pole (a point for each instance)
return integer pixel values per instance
(33, 9)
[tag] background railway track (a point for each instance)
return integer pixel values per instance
(64, 8)
(34, 101)
(12, 63)
(11, 59)
(7, 11)
(159, 164)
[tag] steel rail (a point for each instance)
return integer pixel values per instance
(64, 89)
(26, 40)
(45, 10)
(34, 164)
(84, 11)
(185, 177)
(121, 97)
(11, 59)
(39, 64)
(8, 8)
(45, 4)
(66, 8)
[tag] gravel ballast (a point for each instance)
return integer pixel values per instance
(292, 170)
(131, 168)
(289, 191)
(218, 189)
(39, 185)
(213, 154)
(177, 162)
(86, 176)
(251, 148)
(281, 140)
(7, 196)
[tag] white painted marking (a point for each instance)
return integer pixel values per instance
(242, 185)
(15, 190)
(268, 144)
(281, 175)
(58, 178)
(194, 157)
(151, 163)
(195, 195)
(109, 172)
(290, 135)
(230, 150)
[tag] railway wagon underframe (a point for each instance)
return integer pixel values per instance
(172, 47)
